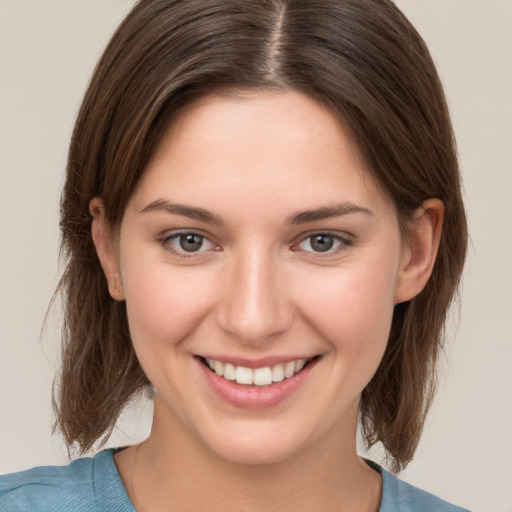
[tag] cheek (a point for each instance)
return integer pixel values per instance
(352, 307)
(163, 304)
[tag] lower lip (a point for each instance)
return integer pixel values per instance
(255, 397)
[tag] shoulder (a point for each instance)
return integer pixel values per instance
(49, 488)
(86, 484)
(399, 496)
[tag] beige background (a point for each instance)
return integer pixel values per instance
(48, 49)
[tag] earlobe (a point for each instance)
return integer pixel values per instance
(420, 252)
(105, 248)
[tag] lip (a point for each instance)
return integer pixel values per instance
(255, 397)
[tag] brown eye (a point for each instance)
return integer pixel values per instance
(191, 242)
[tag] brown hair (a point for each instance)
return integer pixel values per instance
(364, 60)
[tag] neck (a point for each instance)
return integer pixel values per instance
(178, 472)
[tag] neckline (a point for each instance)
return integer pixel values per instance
(109, 472)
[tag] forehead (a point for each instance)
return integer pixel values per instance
(281, 147)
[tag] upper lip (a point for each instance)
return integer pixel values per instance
(257, 363)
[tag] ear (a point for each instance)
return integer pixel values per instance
(106, 248)
(420, 250)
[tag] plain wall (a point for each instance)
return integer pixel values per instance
(48, 49)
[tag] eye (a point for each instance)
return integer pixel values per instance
(322, 243)
(185, 243)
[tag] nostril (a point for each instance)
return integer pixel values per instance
(255, 325)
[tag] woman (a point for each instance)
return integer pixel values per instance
(263, 225)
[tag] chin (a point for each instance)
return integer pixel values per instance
(259, 442)
(255, 452)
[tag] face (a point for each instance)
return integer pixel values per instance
(257, 245)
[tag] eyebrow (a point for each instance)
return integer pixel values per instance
(161, 205)
(325, 212)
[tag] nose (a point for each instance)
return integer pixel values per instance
(255, 307)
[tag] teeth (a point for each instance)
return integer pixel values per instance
(263, 376)
(229, 371)
(259, 376)
(243, 375)
(299, 365)
(278, 373)
(289, 369)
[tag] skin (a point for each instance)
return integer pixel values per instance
(258, 288)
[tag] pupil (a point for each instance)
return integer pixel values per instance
(191, 242)
(322, 243)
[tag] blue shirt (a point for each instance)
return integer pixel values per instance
(94, 485)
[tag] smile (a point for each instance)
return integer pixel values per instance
(256, 385)
(264, 376)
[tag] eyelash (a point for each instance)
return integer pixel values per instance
(340, 242)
